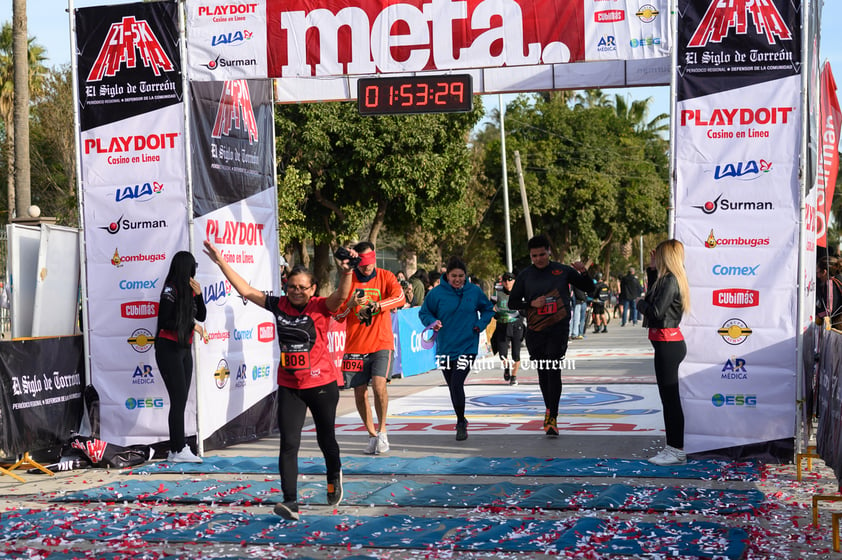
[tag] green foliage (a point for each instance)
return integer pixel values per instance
(596, 174)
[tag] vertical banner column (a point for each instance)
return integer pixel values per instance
(134, 203)
(737, 207)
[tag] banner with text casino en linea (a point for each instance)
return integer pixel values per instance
(738, 130)
(234, 204)
(134, 202)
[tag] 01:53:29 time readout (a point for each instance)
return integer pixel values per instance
(414, 94)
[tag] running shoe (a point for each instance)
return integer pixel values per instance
(461, 430)
(382, 443)
(669, 455)
(334, 489)
(371, 448)
(552, 428)
(287, 510)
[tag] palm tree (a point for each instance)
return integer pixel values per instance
(35, 59)
(637, 114)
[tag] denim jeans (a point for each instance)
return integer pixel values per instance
(577, 318)
(629, 311)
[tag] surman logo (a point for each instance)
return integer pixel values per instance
(126, 42)
(722, 15)
(235, 111)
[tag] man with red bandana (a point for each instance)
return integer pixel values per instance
(369, 343)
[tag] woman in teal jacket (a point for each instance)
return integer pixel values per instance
(458, 312)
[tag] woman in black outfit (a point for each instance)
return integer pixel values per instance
(667, 300)
(180, 307)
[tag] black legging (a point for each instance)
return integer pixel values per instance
(455, 372)
(547, 349)
(176, 366)
(668, 355)
(292, 410)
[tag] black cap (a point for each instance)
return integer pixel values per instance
(508, 276)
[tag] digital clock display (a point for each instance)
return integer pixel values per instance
(415, 94)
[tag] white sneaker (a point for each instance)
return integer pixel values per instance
(183, 456)
(371, 448)
(669, 456)
(382, 443)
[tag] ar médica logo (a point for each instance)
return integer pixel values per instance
(235, 111)
(722, 16)
(128, 42)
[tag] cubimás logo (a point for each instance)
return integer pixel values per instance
(722, 16)
(266, 332)
(609, 16)
(748, 401)
(734, 331)
(736, 297)
(141, 340)
(727, 205)
(127, 42)
(139, 309)
(121, 224)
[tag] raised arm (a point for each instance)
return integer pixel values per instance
(250, 293)
(343, 290)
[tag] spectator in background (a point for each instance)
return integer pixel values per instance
(420, 281)
(630, 290)
(828, 292)
(408, 292)
(601, 298)
(509, 330)
(579, 306)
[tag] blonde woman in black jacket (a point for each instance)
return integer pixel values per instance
(667, 300)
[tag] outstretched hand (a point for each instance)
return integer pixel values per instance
(212, 252)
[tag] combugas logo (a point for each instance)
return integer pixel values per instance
(721, 17)
(713, 241)
(235, 109)
(128, 42)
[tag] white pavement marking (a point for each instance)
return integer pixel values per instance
(597, 409)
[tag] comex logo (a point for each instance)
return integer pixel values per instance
(748, 401)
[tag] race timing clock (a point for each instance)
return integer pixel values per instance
(415, 94)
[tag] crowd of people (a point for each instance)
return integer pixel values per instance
(544, 306)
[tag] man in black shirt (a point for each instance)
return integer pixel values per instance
(630, 290)
(542, 290)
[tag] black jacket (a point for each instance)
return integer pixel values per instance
(662, 308)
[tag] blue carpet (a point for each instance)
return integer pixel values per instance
(480, 466)
(410, 493)
(567, 536)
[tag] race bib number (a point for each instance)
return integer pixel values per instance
(295, 360)
(550, 308)
(352, 363)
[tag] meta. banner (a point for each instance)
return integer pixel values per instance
(507, 45)
(737, 211)
(134, 202)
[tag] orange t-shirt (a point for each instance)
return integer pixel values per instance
(365, 339)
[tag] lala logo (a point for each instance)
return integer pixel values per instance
(235, 111)
(722, 15)
(746, 171)
(126, 42)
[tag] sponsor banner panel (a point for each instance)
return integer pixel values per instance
(417, 348)
(828, 160)
(448, 35)
(758, 121)
(226, 39)
(233, 151)
(740, 350)
(757, 268)
(135, 151)
(727, 45)
(238, 366)
(626, 29)
(128, 61)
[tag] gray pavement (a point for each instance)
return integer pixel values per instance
(622, 355)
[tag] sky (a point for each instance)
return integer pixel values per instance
(51, 29)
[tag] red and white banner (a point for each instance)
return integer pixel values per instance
(319, 47)
(737, 210)
(134, 202)
(830, 120)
